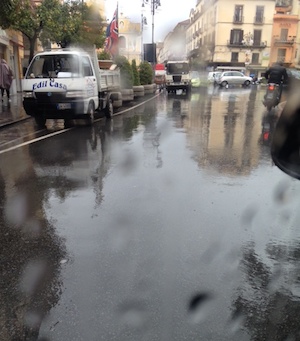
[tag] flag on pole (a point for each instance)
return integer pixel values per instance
(112, 35)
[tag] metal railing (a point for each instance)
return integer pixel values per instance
(284, 41)
(237, 19)
(259, 20)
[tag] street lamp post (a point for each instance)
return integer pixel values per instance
(154, 6)
(143, 22)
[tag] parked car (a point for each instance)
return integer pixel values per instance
(233, 78)
(213, 76)
(195, 79)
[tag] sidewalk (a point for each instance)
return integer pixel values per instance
(13, 111)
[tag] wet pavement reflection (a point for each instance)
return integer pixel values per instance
(169, 222)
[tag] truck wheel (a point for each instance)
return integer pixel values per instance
(68, 123)
(109, 109)
(91, 114)
(40, 121)
(117, 103)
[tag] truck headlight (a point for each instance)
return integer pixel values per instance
(75, 93)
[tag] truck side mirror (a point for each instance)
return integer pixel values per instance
(285, 146)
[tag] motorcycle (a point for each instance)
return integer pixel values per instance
(272, 96)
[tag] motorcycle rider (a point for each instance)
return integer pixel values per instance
(277, 74)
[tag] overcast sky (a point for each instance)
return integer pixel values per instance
(165, 19)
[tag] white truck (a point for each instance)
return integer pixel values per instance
(178, 76)
(69, 84)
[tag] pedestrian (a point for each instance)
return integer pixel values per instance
(6, 77)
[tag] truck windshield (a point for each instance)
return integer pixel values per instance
(54, 66)
(181, 68)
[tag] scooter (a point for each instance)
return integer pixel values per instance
(272, 96)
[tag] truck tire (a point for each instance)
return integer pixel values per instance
(40, 121)
(117, 103)
(115, 96)
(90, 114)
(109, 109)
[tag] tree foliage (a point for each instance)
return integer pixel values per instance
(136, 76)
(104, 55)
(125, 72)
(65, 23)
(76, 24)
(146, 73)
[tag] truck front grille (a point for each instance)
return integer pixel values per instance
(50, 97)
(177, 79)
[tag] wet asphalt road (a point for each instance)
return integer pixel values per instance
(169, 222)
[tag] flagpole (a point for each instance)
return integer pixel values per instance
(118, 50)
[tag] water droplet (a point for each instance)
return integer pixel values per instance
(249, 214)
(281, 192)
(237, 321)
(133, 314)
(32, 275)
(198, 305)
(33, 320)
(16, 210)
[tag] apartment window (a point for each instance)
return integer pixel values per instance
(281, 55)
(236, 37)
(255, 58)
(234, 56)
(257, 37)
(238, 14)
(284, 34)
(259, 15)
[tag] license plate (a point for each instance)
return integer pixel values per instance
(63, 106)
(270, 96)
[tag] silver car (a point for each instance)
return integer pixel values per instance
(212, 76)
(233, 78)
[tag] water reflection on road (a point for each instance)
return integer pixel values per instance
(223, 127)
(167, 223)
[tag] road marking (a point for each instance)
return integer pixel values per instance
(68, 129)
(34, 140)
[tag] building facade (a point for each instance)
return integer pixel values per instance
(174, 45)
(130, 39)
(254, 34)
(284, 33)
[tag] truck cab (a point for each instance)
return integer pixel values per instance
(178, 76)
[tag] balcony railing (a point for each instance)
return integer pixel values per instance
(240, 45)
(259, 20)
(237, 19)
(281, 59)
(284, 41)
